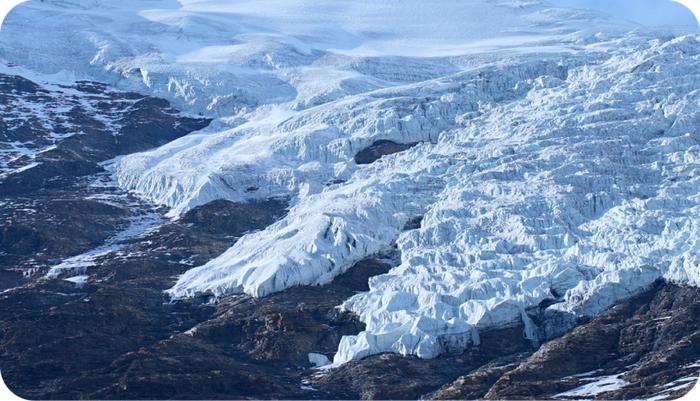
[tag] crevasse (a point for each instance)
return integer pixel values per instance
(568, 180)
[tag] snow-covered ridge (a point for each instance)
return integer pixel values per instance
(558, 156)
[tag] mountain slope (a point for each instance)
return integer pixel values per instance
(546, 154)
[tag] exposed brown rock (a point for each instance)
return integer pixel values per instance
(380, 148)
(648, 339)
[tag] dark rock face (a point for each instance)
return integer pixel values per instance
(248, 348)
(215, 216)
(37, 230)
(66, 131)
(391, 376)
(57, 199)
(477, 383)
(59, 340)
(649, 341)
(381, 148)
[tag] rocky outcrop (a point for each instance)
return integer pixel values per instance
(52, 135)
(59, 339)
(57, 198)
(645, 343)
(380, 148)
(477, 383)
(258, 348)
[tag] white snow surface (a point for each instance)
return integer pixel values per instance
(222, 57)
(559, 153)
(139, 225)
(318, 360)
(595, 386)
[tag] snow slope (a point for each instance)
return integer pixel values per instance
(646, 12)
(558, 156)
(221, 57)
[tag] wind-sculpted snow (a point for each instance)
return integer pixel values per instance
(558, 154)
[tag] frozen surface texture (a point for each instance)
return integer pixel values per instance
(558, 153)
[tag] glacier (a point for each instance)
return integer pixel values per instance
(558, 154)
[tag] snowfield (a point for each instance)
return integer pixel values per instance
(558, 152)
